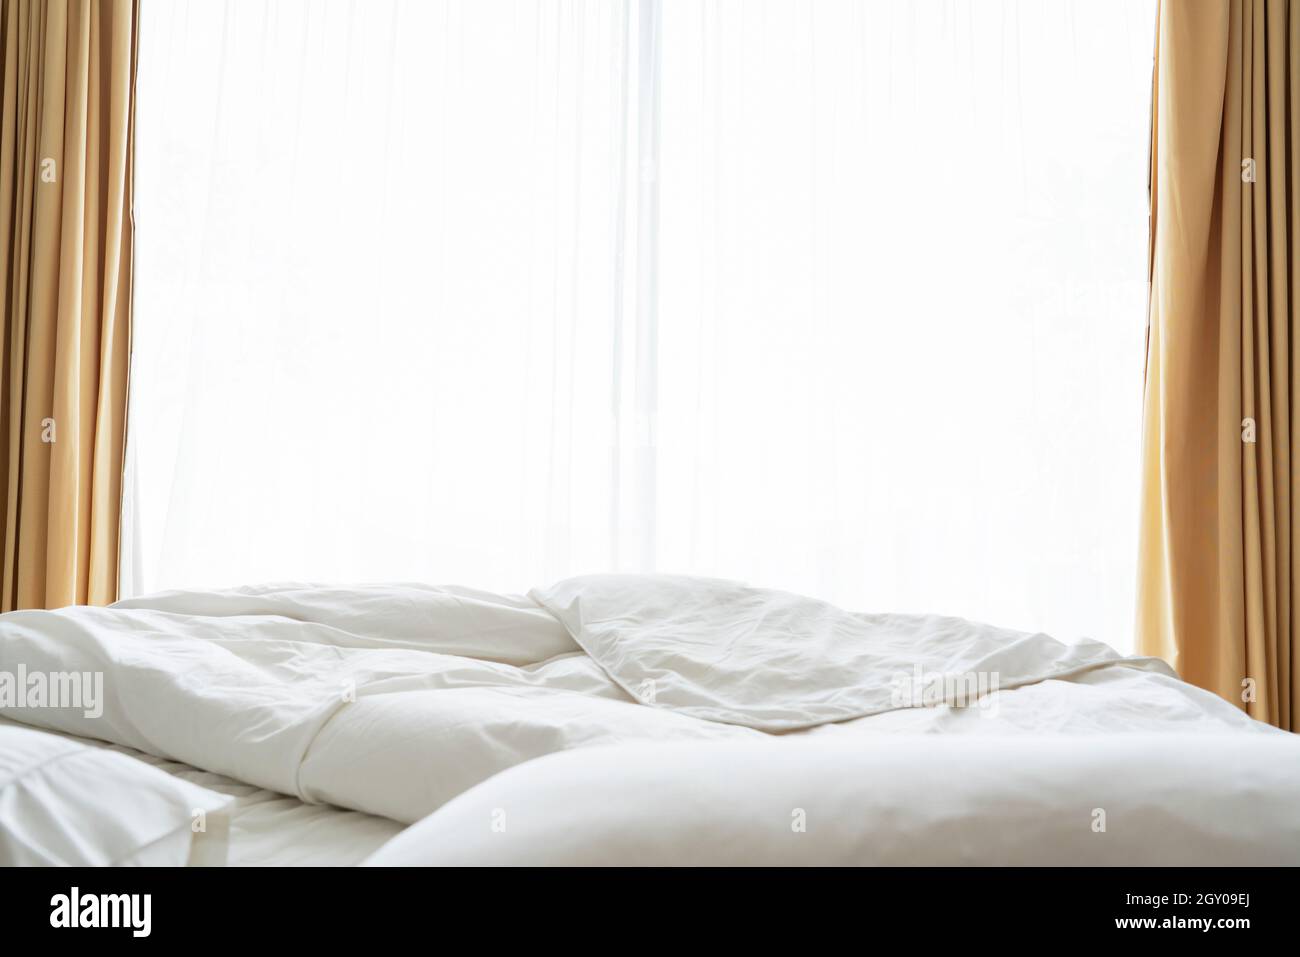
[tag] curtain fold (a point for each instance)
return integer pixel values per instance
(65, 281)
(1217, 562)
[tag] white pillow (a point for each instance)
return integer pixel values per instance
(66, 802)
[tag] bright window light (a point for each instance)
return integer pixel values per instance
(841, 297)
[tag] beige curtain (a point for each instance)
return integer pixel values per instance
(1218, 563)
(65, 281)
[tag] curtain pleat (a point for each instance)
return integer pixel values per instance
(1217, 569)
(65, 274)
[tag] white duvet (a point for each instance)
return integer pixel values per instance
(396, 699)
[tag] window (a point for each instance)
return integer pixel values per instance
(840, 297)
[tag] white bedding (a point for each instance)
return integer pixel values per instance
(1001, 800)
(66, 802)
(393, 700)
(270, 829)
(721, 651)
(257, 827)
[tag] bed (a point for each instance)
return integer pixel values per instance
(625, 719)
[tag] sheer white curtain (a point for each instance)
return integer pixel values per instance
(380, 289)
(842, 297)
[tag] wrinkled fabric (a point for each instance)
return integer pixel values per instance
(723, 651)
(394, 699)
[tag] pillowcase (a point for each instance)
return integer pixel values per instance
(64, 801)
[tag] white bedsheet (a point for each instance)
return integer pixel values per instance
(392, 700)
(269, 829)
